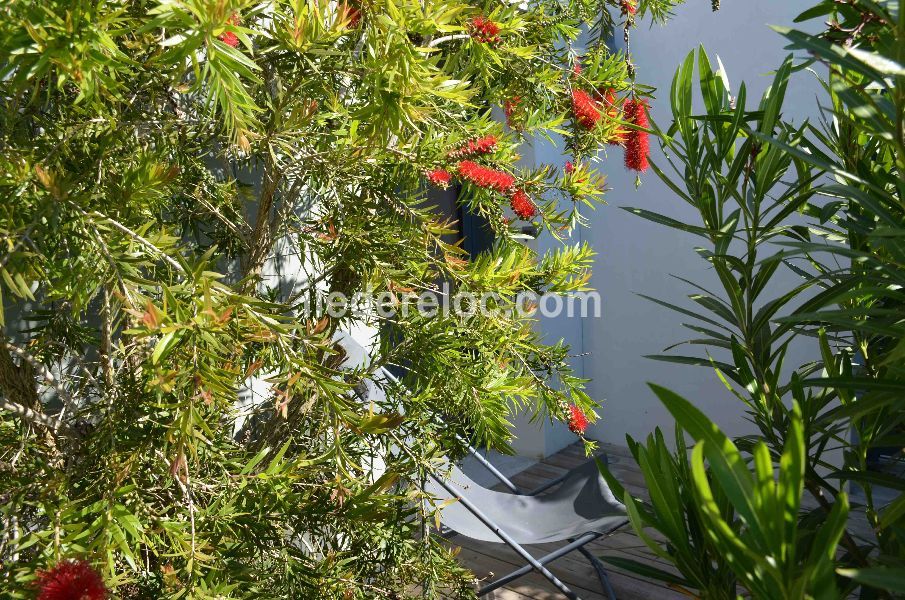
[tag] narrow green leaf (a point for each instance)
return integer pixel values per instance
(645, 570)
(725, 460)
(886, 578)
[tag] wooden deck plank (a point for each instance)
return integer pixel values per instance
(494, 560)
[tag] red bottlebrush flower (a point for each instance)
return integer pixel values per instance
(485, 177)
(70, 580)
(483, 30)
(509, 108)
(629, 7)
(439, 177)
(522, 205)
(578, 421)
(585, 109)
(482, 145)
(228, 37)
(577, 68)
(637, 144)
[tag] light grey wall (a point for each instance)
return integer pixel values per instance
(636, 256)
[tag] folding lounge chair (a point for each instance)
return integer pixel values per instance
(579, 509)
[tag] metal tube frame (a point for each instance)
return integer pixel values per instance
(534, 564)
(496, 472)
(544, 560)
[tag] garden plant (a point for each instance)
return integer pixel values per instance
(175, 420)
(803, 507)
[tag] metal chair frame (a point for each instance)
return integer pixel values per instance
(534, 564)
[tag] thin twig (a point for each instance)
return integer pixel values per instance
(68, 402)
(35, 418)
(447, 38)
(168, 259)
(191, 504)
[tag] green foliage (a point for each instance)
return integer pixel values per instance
(862, 150)
(672, 511)
(824, 201)
(163, 161)
(732, 523)
(745, 191)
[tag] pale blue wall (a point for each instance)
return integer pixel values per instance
(636, 256)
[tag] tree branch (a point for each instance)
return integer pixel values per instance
(448, 38)
(17, 381)
(35, 418)
(262, 236)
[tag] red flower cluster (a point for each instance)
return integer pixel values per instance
(483, 145)
(629, 7)
(509, 107)
(637, 144)
(484, 30)
(485, 177)
(439, 177)
(70, 580)
(522, 205)
(585, 109)
(228, 37)
(578, 421)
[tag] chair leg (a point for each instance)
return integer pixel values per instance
(507, 539)
(539, 565)
(601, 572)
(498, 583)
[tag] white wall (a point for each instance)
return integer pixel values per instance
(636, 256)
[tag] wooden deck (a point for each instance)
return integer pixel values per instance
(489, 560)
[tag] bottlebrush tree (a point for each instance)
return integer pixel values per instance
(158, 158)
